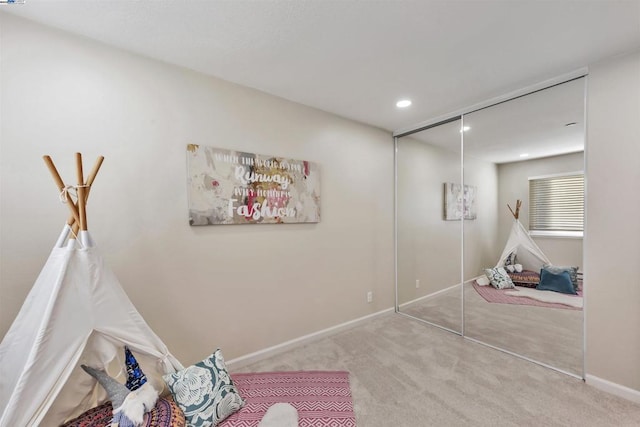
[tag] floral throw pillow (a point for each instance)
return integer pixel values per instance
(499, 278)
(205, 392)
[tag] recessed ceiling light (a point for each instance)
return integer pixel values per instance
(403, 103)
(570, 124)
(524, 155)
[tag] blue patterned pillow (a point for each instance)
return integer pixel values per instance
(205, 392)
(499, 278)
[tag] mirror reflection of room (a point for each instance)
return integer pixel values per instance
(517, 213)
(429, 235)
(527, 297)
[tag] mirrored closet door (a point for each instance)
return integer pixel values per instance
(459, 188)
(530, 149)
(429, 225)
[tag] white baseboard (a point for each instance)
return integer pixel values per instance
(431, 295)
(259, 355)
(613, 388)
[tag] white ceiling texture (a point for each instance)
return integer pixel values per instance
(357, 58)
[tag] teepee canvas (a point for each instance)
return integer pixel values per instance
(76, 313)
(520, 242)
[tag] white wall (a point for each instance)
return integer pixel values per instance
(514, 184)
(242, 288)
(612, 246)
(482, 248)
(428, 246)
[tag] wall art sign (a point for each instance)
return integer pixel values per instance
(235, 187)
(459, 199)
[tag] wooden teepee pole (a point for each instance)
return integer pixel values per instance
(75, 216)
(82, 193)
(94, 172)
(516, 214)
(92, 176)
(78, 214)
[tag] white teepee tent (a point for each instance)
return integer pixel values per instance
(76, 312)
(527, 252)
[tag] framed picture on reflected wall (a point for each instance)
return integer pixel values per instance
(459, 201)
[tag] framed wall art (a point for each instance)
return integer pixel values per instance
(459, 201)
(235, 187)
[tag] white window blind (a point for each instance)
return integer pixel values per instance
(556, 203)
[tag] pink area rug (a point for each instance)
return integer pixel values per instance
(493, 295)
(322, 398)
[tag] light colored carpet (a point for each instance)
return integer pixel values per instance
(444, 309)
(408, 374)
(549, 335)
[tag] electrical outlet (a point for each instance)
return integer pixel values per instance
(417, 283)
(369, 296)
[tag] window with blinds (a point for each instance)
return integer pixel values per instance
(556, 203)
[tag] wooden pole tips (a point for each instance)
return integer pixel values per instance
(516, 214)
(78, 218)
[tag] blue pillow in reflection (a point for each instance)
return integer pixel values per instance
(573, 272)
(557, 281)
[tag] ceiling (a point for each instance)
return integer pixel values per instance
(357, 58)
(535, 125)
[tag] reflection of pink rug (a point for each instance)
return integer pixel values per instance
(322, 398)
(491, 294)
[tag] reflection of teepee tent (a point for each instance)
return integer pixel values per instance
(520, 242)
(76, 312)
